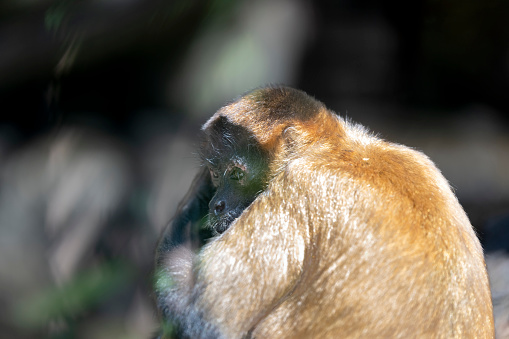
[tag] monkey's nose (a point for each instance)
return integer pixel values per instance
(219, 208)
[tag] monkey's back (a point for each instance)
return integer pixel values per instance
(349, 237)
(389, 253)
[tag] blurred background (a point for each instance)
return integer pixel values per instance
(102, 102)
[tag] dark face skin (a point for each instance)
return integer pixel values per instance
(237, 183)
(237, 169)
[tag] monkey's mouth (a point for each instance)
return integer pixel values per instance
(220, 224)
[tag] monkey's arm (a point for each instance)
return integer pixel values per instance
(239, 277)
(243, 275)
(174, 253)
(185, 227)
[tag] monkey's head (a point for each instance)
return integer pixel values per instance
(238, 169)
(239, 144)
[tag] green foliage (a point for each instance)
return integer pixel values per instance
(86, 290)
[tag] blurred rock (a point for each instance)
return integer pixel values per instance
(56, 196)
(263, 42)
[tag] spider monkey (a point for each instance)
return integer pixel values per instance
(319, 230)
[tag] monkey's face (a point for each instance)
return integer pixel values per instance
(237, 168)
(236, 187)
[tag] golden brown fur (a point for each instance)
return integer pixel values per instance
(353, 237)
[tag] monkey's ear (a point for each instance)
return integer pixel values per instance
(289, 133)
(290, 137)
(186, 228)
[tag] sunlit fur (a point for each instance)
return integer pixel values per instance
(353, 237)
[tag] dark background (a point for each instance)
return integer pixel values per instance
(101, 103)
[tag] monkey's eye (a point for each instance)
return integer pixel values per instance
(236, 174)
(213, 174)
